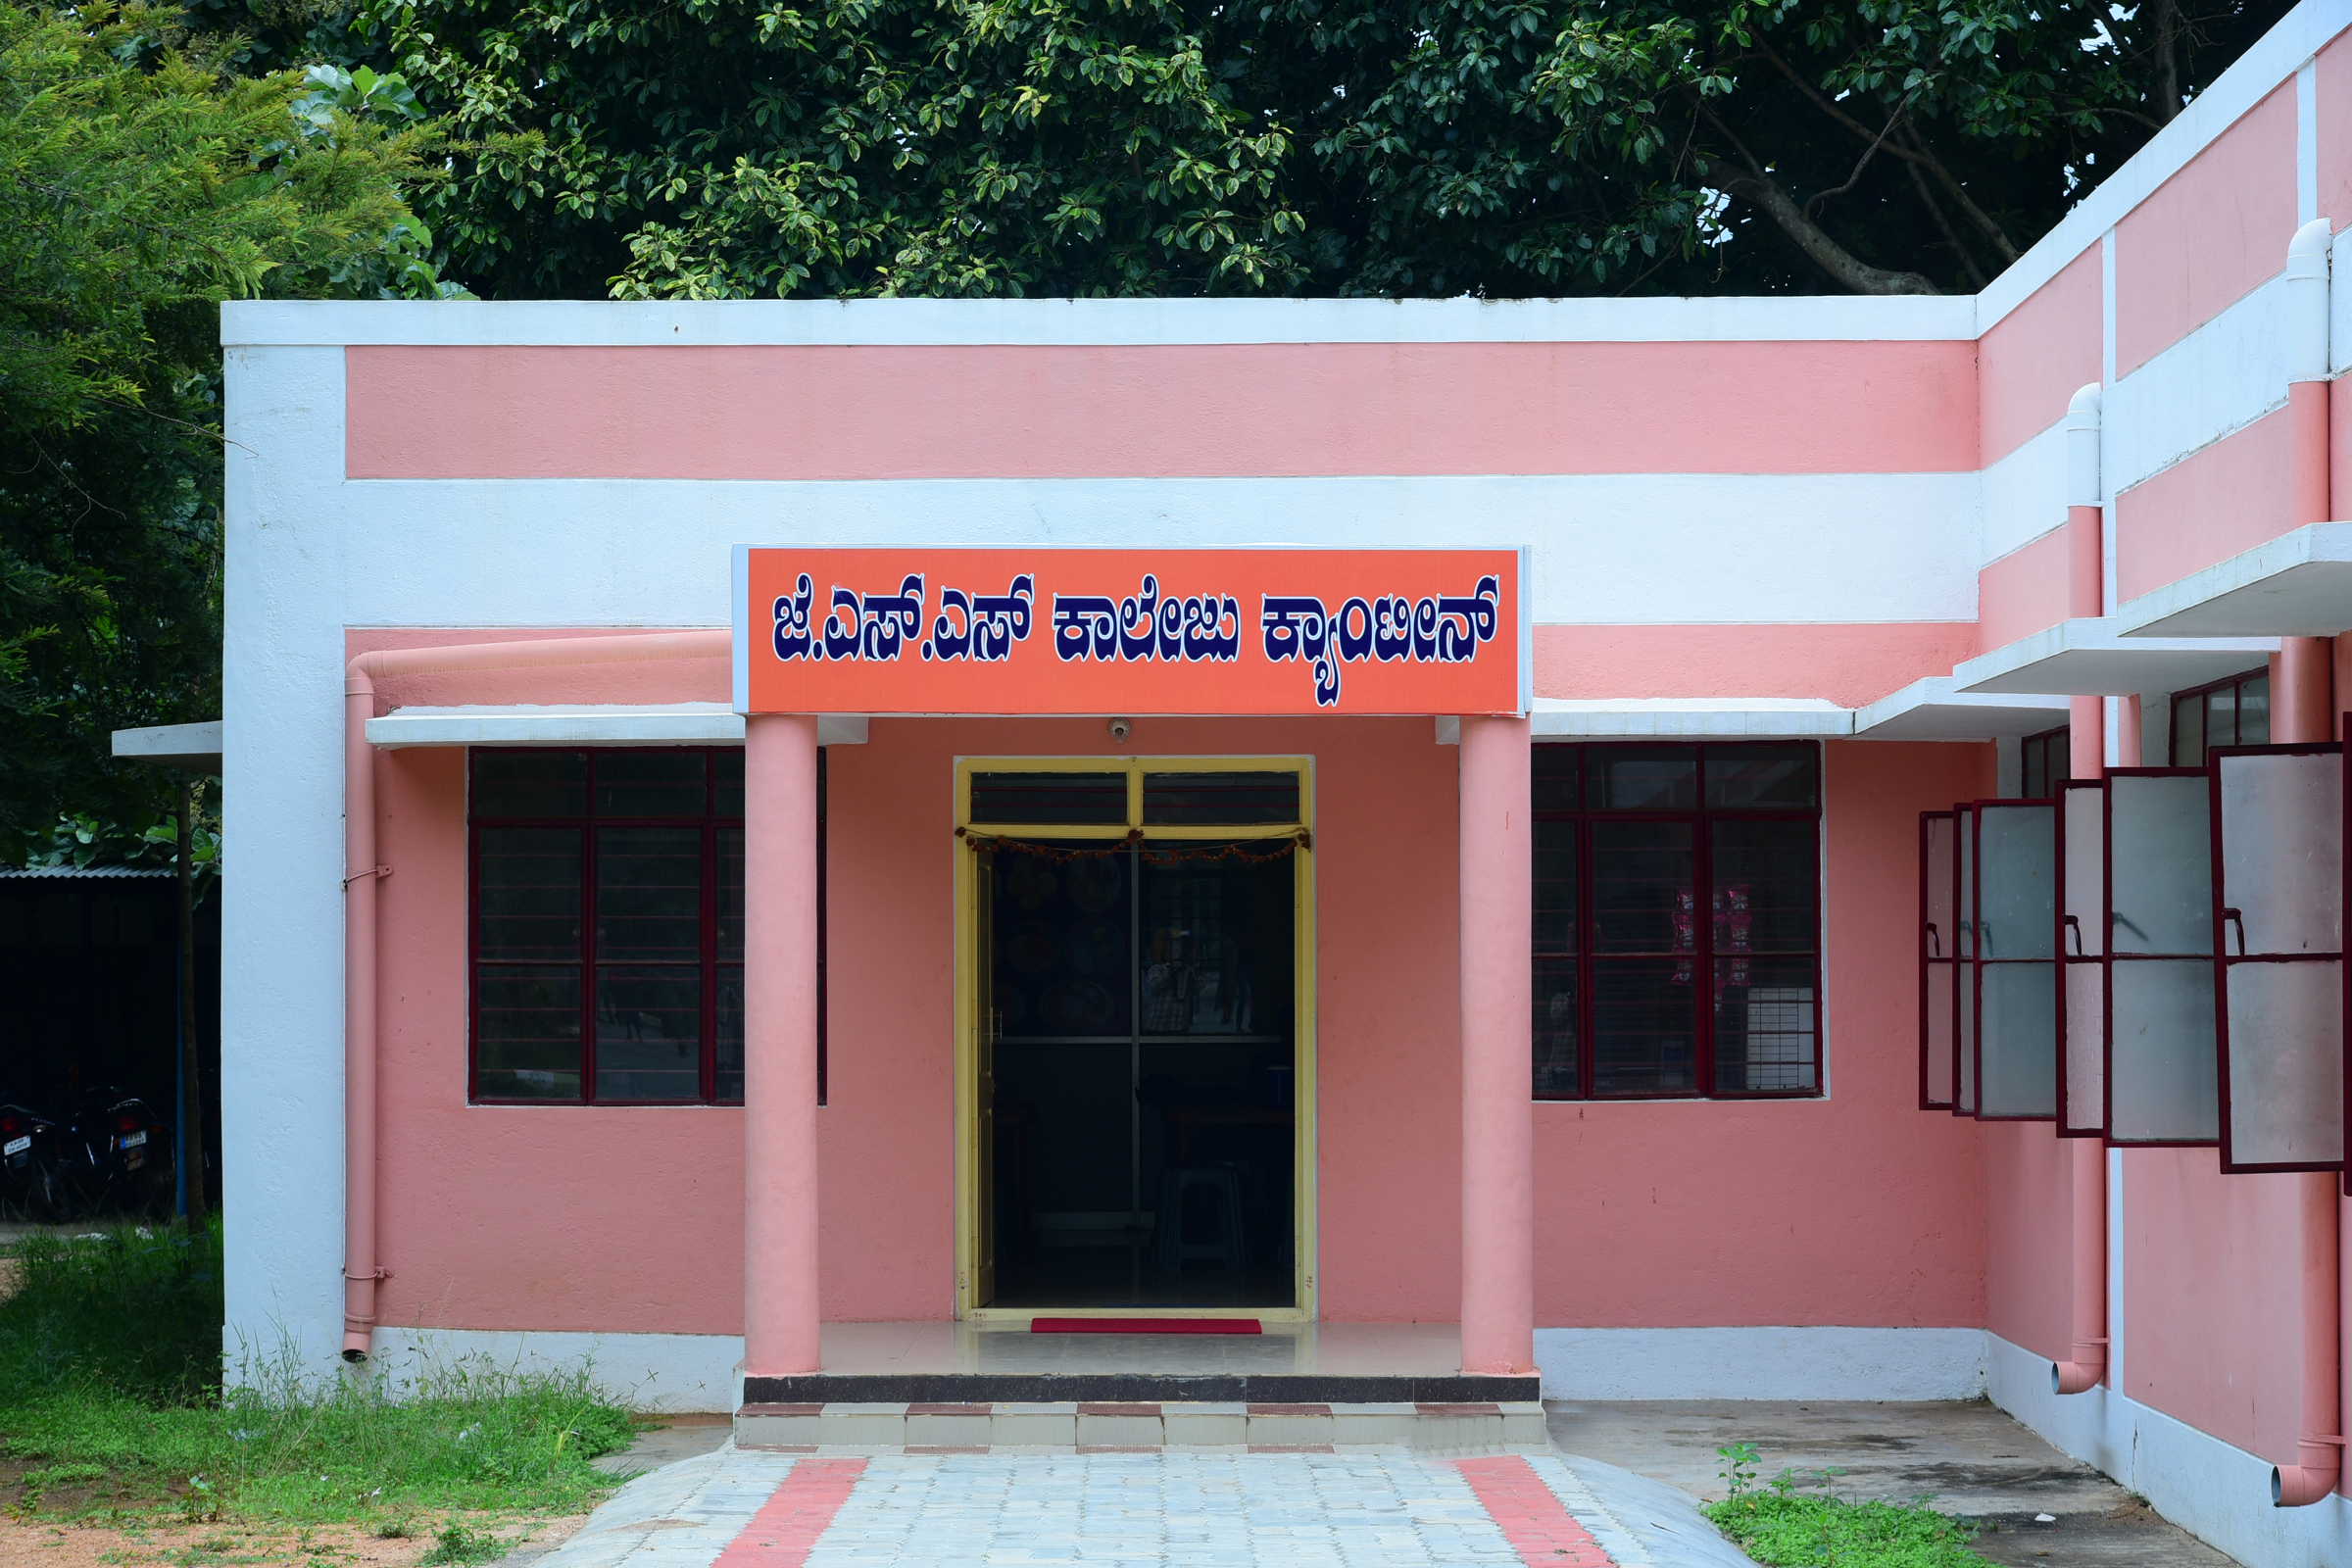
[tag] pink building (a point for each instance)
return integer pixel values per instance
(1488, 878)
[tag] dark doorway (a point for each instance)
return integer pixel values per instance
(1143, 1073)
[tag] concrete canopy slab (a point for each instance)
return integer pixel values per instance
(1937, 709)
(2088, 656)
(586, 725)
(193, 747)
(2296, 585)
(1690, 718)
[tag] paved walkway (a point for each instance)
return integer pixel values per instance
(740, 1508)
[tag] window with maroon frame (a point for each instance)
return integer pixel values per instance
(2045, 761)
(607, 929)
(1676, 920)
(2225, 713)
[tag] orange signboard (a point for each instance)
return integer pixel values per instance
(918, 630)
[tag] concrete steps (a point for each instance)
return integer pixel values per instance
(1195, 1426)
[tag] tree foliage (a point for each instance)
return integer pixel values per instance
(141, 183)
(706, 148)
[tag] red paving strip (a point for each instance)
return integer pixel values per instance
(1533, 1520)
(781, 1534)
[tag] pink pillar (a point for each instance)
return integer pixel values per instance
(2085, 737)
(779, 1045)
(1499, 1129)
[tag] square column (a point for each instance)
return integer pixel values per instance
(1499, 1129)
(779, 1045)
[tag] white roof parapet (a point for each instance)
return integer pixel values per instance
(1937, 709)
(193, 747)
(2088, 656)
(1691, 717)
(586, 725)
(2296, 585)
(674, 324)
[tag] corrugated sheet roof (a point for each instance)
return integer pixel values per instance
(77, 871)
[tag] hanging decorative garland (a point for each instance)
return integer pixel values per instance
(1062, 854)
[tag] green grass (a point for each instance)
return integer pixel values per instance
(1782, 1527)
(112, 1398)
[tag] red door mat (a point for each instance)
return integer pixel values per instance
(1144, 1324)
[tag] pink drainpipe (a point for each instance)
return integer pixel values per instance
(2087, 756)
(1499, 1129)
(2302, 710)
(361, 875)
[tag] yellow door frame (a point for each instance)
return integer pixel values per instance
(968, 1023)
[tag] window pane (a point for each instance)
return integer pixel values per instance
(650, 784)
(1079, 800)
(1065, 956)
(2220, 717)
(730, 1035)
(726, 772)
(1641, 888)
(1555, 887)
(1645, 1027)
(649, 892)
(649, 1032)
(530, 784)
(2254, 711)
(1764, 1026)
(729, 935)
(2034, 768)
(2188, 733)
(1552, 771)
(1765, 887)
(1746, 776)
(527, 1034)
(1191, 798)
(1556, 1033)
(1639, 778)
(528, 881)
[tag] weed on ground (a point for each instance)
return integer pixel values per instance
(113, 1405)
(1782, 1525)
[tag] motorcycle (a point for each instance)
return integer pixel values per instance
(120, 1153)
(33, 1165)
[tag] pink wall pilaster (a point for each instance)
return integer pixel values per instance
(1498, 1132)
(779, 1068)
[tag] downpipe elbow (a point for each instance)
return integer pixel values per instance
(2077, 1377)
(2299, 1485)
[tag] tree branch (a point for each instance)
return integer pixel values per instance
(1976, 273)
(1868, 153)
(1760, 190)
(1975, 214)
(1917, 153)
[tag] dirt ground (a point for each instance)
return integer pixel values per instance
(46, 1542)
(2036, 1507)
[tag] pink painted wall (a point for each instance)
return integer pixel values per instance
(1854, 1209)
(1848, 664)
(2038, 356)
(2208, 236)
(573, 1218)
(2334, 95)
(2212, 1306)
(2210, 506)
(817, 412)
(630, 1220)
(2023, 592)
(2029, 1270)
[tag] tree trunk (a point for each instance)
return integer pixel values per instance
(191, 1078)
(2168, 60)
(1761, 191)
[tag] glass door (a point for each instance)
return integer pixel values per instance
(1136, 1111)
